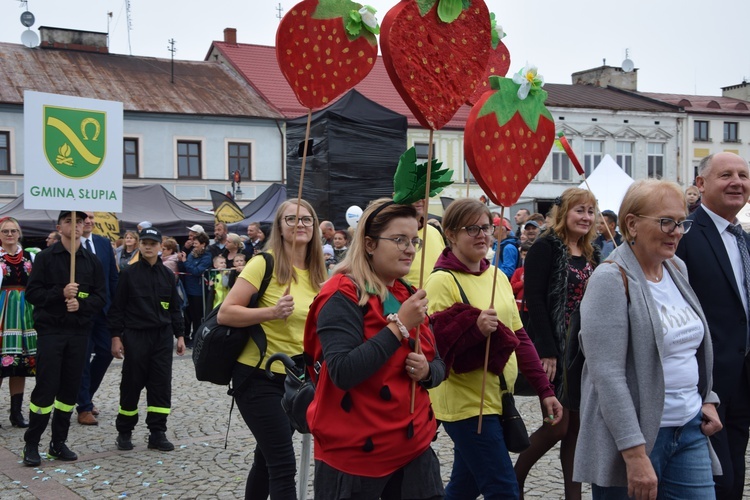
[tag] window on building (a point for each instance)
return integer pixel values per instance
(701, 130)
(730, 132)
(239, 158)
(130, 158)
(592, 155)
(625, 150)
(467, 173)
(656, 160)
(560, 166)
(5, 153)
(422, 151)
(189, 159)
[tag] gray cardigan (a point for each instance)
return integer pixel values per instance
(622, 388)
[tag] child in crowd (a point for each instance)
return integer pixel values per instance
(328, 256)
(239, 264)
(217, 281)
(144, 319)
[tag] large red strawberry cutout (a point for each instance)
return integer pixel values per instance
(435, 65)
(507, 139)
(498, 63)
(318, 53)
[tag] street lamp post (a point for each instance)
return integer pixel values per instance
(236, 181)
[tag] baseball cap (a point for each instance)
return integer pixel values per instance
(531, 223)
(150, 233)
(65, 213)
(196, 228)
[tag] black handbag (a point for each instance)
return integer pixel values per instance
(514, 430)
(299, 390)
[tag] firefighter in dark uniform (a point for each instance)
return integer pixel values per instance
(144, 319)
(63, 312)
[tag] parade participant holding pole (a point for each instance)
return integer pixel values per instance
(66, 288)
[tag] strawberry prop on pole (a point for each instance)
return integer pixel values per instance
(435, 53)
(562, 141)
(509, 134)
(324, 48)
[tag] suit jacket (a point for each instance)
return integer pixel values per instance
(712, 278)
(106, 256)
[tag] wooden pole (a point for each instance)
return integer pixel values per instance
(417, 347)
(73, 247)
(299, 194)
(487, 343)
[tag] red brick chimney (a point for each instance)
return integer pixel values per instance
(230, 36)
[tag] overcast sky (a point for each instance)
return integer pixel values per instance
(678, 46)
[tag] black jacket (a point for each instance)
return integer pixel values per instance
(146, 298)
(50, 274)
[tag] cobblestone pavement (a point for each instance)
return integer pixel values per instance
(200, 466)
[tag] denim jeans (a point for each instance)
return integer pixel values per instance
(682, 464)
(481, 463)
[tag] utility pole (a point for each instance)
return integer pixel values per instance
(279, 10)
(172, 49)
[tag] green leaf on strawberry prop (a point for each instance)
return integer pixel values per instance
(409, 180)
(507, 139)
(326, 47)
(435, 66)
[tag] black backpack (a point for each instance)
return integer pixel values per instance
(573, 356)
(217, 347)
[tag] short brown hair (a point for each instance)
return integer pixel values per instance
(461, 212)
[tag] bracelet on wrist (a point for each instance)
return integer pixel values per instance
(393, 318)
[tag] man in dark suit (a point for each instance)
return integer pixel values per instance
(100, 341)
(714, 260)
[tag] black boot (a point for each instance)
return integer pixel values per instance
(60, 451)
(60, 425)
(124, 441)
(158, 441)
(37, 425)
(16, 416)
(31, 456)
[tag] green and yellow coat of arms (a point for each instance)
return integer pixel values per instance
(74, 140)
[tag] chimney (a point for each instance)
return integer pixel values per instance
(605, 76)
(62, 38)
(230, 36)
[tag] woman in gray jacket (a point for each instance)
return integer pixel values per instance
(647, 405)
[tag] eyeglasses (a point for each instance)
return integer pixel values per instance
(8, 232)
(668, 225)
(291, 220)
(473, 231)
(402, 242)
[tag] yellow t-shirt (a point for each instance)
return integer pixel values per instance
(434, 247)
(283, 335)
(457, 398)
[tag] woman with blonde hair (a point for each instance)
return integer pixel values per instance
(557, 268)
(368, 444)
(298, 271)
(647, 405)
(127, 253)
(233, 246)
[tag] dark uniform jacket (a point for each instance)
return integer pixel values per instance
(146, 298)
(49, 276)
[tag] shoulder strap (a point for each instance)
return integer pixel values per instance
(464, 298)
(624, 277)
(267, 274)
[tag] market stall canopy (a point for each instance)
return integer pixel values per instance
(608, 183)
(140, 203)
(262, 209)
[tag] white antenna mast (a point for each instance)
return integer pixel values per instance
(279, 10)
(130, 24)
(627, 64)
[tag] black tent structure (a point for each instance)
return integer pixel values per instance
(262, 209)
(352, 154)
(139, 203)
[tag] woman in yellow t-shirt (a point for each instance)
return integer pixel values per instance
(459, 291)
(282, 316)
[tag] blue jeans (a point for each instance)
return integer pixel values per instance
(682, 464)
(481, 463)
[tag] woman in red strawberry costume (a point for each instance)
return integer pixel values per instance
(362, 328)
